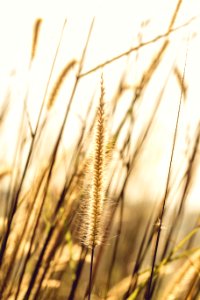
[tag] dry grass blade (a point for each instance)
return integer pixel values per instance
(183, 281)
(136, 48)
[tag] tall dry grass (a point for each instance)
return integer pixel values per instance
(53, 198)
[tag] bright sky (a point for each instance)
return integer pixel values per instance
(115, 30)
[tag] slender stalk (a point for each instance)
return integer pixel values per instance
(78, 273)
(91, 269)
(136, 48)
(148, 295)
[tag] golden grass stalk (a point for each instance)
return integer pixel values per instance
(93, 209)
(95, 213)
(59, 82)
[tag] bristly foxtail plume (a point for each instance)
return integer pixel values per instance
(93, 223)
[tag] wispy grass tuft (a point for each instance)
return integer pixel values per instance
(59, 82)
(93, 210)
(36, 31)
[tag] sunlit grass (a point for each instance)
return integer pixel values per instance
(53, 191)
